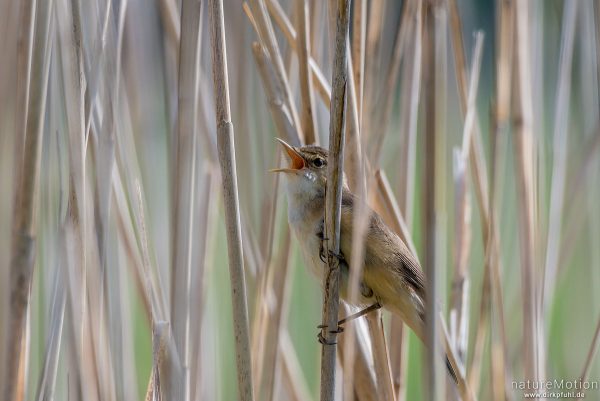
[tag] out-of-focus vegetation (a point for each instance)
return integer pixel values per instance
(108, 224)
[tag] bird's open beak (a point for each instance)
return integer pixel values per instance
(296, 160)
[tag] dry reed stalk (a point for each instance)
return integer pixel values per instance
(292, 371)
(434, 191)
(356, 174)
(560, 150)
(462, 233)
(476, 155)
(371, 68)
(170, 18)
(278, 291)
(177, 387)
(47, 381)
(387, 207)
(86, 378)
(355, 164)
(359, 37)
(270, 286)
(75, 97)
(384, 104)
(491, 286)
(107, 336)
(23, 241)
(333, 202)
(160, 332)
(409, 99)
(523, 143)
(575, 181)
(205, 224)
(306, 89)
(24, 49)
(226, 150)
(279, 113)
(363, 378)
(267, 38)
(262, 304)
(320, 81)
(383, 372)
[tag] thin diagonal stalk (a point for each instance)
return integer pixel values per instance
(333, 201)
(283, 122)
(591, 354)
(462, 232)
(491, 288)
(267, 37)
(226, 150)
(46, 385)
(560, 149)
(283, 22)
(306, 89)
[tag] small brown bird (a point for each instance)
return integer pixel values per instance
(391, 277)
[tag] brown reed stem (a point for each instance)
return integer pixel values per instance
(226, 150)
(333, 201)
(23, 241)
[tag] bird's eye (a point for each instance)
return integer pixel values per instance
(318, 162)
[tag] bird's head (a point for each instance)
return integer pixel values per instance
(306, 174)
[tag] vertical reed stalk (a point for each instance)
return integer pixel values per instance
(434, 191)
(333, 201)
(359, 37)
(177, 383)
(23, 241)
(523, 143)
(226, 150)
(409, 100)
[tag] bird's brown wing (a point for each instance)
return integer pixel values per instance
(383, 246)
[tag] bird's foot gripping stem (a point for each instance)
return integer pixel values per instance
(323, 254)
(322, 338)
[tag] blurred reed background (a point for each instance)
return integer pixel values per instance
(481, 151)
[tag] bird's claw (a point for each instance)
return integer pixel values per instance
(322, 247)
(322, 339)
(322, 253)
(338, 256)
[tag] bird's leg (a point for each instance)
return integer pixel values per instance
(340, 328)
(358, 314)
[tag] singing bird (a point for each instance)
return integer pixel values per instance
(391, 277)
